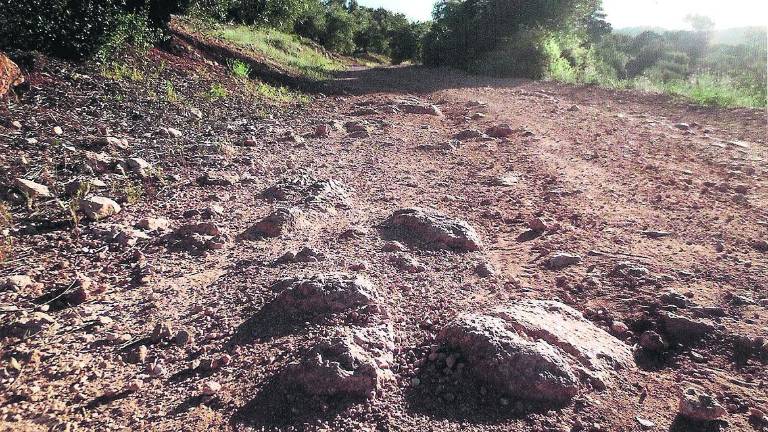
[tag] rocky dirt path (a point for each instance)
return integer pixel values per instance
(577, 258)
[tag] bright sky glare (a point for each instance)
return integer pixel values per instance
(631, 13)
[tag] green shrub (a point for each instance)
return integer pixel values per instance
(79, 28)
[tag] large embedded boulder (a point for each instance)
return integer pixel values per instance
(538, 350)
(324, 293)
(10, 75)
(354, 362)
(276, 223)
(433, 230)
(307, 190)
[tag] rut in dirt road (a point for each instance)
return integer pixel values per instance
(418, 250)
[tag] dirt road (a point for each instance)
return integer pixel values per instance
(677, 194)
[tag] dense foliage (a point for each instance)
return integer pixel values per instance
(77, 28)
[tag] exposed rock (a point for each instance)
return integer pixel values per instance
(357, 126)
(139, 166)
(354, 363)
(406, 262)
(196, 238)
(652, 341)
(536, 349)
(323, 130)
(32, 189)
(304, 189)
(760, 245)
(276, 223)
(170, 132)
(699, 406)
(685, 329)
(468, 134)
(324, 293)
(305, 255)
(675, 298)
(561, 260)
(202, 228)
(393, 246)
(97, 208)
(99, 163)
(10, 75)
(162, 331)
(499, 356)
(423, 109)
(80, 187)
(217, 179)
(153, 224)
(500, 131)
(537, 224)
(210, 388)
(485, 270)
(433, 230)
(15, 283)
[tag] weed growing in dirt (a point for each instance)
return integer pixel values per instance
(170, 92)
(240, 69)
(6, 220)
(217, 91)
(121, 71)
(278, 94)
(133, 193)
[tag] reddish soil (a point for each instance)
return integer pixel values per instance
(600, 168)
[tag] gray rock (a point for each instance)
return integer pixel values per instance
(406, 262)
(97, 208)
(699, 406)
(15, 283)
(32, 189)
(417, 108)
(324, 293)
(218, 179)
(536, 349)
(434, 230)
(304, 189)
(497, 355)
(353, 363)
(561, 260)
(682, 328)
(277, 223)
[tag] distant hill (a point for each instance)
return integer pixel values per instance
(731, 36)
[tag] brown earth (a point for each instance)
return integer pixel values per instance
(608, 173)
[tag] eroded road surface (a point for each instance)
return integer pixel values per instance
(417, 250)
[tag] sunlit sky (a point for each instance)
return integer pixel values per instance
(630, 13)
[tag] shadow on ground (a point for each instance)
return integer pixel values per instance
(277, 406)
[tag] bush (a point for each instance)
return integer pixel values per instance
(77, 28)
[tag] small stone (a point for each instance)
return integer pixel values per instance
(153, 224)
(323, 130)
(32, 189)
(699, 406)
(57, 130)
(162, 331)
(250, 142)
(157, 369)
(485, 270)
(210, 388)
(196, 112)
(16, 124)
(618, 328)
(537, 224)
(645, 424)
(141, 353)
(16, 283)
(561, 260)
(171, 132)
(500, 131)
(183, 337)
(394, 246)
(97, 208)
(134, 386)
(652, 341)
